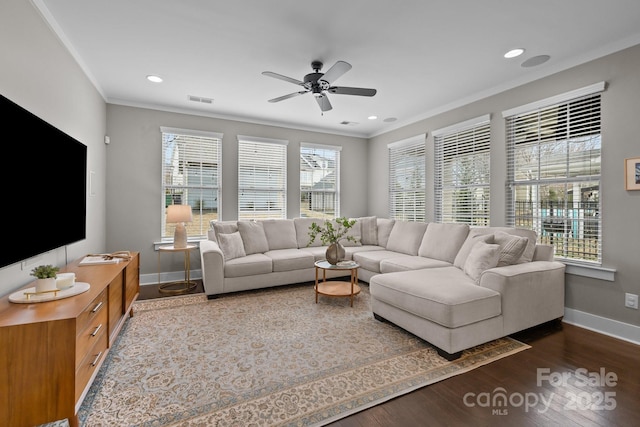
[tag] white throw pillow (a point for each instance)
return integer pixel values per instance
(474, 236)
(483, 256)
(511, 247)
(253, 237)
(369, 230)
(231, 245)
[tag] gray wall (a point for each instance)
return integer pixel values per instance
(134, 156)
(621, 139)
(38, 73)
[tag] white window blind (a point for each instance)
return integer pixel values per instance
(262, 178)
(554, 171)
(407, 170)
(191, 176)
(319, 181)
(462, 172)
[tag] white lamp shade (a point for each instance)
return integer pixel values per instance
(179, 213)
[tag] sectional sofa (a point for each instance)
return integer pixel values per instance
(454, 286)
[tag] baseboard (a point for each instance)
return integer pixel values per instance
(613, 328)
(170, 276)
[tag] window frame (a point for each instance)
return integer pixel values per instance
(414, 208)
(320, 150)
(457, 143)
(197, 229)
(574, 217)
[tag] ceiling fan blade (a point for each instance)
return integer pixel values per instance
(291, 95)
(323, 102)
(281, 77)
(338, 69)
(344, 90)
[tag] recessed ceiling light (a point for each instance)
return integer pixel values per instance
(513, 53)
(154, 79)
(372, 117)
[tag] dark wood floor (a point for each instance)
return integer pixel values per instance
(583, 398)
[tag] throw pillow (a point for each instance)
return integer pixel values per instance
(369, 230)
(224, 227)
(354, 232)
(231, 245)
(511, 247)
(483, 256)
(253, 237)
(475, 235)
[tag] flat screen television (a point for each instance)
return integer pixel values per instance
(45, 182)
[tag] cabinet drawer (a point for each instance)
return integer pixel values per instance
(90, 363)
(87, 338)
(85, 319)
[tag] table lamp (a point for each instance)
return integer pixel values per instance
(179, 214)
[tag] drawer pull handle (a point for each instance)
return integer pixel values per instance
(95, 332)
(95, 361)
(97, 307)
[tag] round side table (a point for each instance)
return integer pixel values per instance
(337, 288)
(182, 286)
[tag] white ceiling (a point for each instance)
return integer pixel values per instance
(423, 56)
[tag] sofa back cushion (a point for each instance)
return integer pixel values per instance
(281, 233)
(302, 231)
(406, 237)
(385, 225)
(253, 237)
(443, 241)
(368, 230)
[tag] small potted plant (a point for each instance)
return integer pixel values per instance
(330, 234)
(46, 277)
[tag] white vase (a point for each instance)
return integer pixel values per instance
(48, 284)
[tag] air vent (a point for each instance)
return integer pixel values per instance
(200, 99)
(348, 123)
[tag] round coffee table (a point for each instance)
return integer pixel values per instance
(336, 288)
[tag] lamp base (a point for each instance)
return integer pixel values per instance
(180, 236)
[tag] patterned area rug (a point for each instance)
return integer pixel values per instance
(264, 358)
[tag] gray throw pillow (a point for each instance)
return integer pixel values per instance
(369, 230)
(253, 237)
(483, 256)
(231, 245)
(511, 247)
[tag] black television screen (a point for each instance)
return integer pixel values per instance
(45, 185)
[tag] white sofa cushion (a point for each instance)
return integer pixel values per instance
(406, 237)
(281, 233)
(475, 235)
(482, 257)
(250, 265)
(443, 241)
(302, 231)
(223, 227)
(368, 230)
(253, 237)
(231, 245)
(385, 225)
(290, 259)
(409, 262)
(442, 295)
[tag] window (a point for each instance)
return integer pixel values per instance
(462, 175)
(191, 176)
(553, 161)
(319, 181)
(262, 178)
(407, 179)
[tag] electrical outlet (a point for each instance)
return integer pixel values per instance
(631, 301)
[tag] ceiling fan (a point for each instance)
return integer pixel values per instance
(321, 83)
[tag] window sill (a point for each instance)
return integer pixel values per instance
(592, 271)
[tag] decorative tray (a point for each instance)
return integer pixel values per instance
(29, 295)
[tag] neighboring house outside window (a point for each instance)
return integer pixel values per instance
(462, 172)
(319, 181)
(262, 178)
(554, 171)
(191, 176)
(407, 170)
